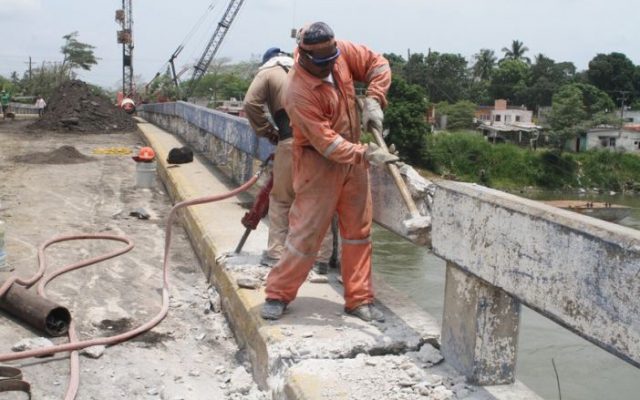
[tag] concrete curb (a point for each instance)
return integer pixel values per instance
(209, 242)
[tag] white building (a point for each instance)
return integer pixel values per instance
(626, 139)
(513, 124)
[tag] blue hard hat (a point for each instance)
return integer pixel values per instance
(269, 54)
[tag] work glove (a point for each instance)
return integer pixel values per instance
(376, 155)
(372, 114)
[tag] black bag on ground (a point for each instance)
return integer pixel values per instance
(180, 155)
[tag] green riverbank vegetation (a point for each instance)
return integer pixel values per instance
(467, 156)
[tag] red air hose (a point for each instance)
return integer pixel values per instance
(74, 344)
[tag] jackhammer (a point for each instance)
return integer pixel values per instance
(258, 211)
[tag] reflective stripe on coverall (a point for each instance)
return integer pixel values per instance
(330, 173)
(267, 88)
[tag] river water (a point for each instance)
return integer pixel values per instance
(585, 372)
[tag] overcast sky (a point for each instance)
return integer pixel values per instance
(565, 30)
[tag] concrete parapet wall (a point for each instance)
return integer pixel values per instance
(578, 271)
(225, 140)
(23, 109)
(229, 142)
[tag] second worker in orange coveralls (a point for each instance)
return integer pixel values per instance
(330, 166)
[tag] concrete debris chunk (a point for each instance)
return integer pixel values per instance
(139, 213)
(32, 344)
(461, 390)
(241, 381)
(442, 393)
(423, 388)
(406, 383)
(94, 351)
(434, 380)
(248, 283)
(215, 302)
(429, 355)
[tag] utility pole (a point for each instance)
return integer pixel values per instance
(622, 98)
(29, 64)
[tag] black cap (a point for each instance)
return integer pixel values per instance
(318, 32)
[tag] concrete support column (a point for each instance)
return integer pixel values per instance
(479, 329)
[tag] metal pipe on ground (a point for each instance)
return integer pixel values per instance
(39, 312)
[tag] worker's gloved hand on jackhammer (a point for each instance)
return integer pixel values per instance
(376, 155)
(372, 114)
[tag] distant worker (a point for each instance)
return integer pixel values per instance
(5, 98)
(40, 105)
(331, 166)
(265, 95)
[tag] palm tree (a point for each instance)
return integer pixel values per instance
(516, 52)
(485, 62)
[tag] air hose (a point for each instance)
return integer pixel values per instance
(74, 343)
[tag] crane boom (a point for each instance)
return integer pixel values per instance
(214, 43)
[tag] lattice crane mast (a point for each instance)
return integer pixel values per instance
(124, 17)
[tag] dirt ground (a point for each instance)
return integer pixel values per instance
(75, 106)
(47, 190)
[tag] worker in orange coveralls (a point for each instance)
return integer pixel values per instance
(266, 89)
(331, 166)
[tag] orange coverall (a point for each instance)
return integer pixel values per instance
(330, 173)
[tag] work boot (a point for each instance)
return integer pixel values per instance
(367, 312)
(267, 260)
(273, 309)
(321, 268)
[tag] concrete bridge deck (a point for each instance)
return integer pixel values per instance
(315, 351)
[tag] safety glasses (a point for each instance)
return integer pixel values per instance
(323, 62)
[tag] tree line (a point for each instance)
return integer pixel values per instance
(46, 77)
(574, 100)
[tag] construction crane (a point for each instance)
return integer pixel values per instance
(124, 17)
(210, 51)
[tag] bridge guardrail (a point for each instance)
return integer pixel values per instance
(23, 109)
